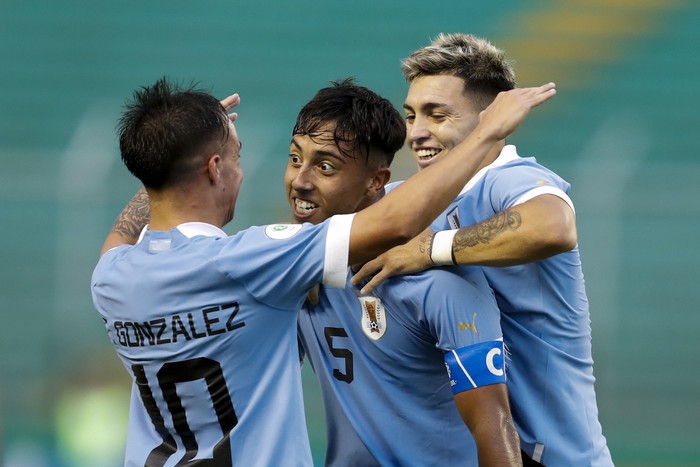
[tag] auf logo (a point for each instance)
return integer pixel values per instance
(471, 326)
(279, 228)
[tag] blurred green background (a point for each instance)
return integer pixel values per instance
(622, 130)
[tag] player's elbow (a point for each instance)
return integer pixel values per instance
(569, 240)
(399, 229)
(560, 237)
(402, 236)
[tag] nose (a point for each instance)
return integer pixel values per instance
(417, 130)
(302, 179)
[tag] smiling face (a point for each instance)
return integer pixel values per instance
(322, 181)
(438, 116)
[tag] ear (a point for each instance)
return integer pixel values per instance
(214, 168)
(376, 183)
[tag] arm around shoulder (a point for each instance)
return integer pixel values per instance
(534, 230)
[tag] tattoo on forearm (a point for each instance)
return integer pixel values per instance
(134, 217)
(425, 243)
(487, 230)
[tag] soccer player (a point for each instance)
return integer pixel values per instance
(381, 359)
(516, 218)
(205, 323)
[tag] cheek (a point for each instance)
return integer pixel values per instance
(288, 179)
(346, 199)
(238, 175)
(463, 130)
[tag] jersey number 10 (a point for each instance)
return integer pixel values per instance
(180, 372)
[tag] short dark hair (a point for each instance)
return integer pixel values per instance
(164, 128)
(362, 119)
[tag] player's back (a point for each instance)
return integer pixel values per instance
(216, 369)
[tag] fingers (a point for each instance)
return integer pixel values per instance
(229, 103)
(544, 92)
(510, 108)
(374, 282)
(377, 270)
(367, 270)
(548, 87)
(532, 96)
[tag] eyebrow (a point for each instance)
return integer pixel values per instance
(427, 106)
(324, 153)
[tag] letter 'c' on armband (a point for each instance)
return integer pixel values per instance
(476, 365)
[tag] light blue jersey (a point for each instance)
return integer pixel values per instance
(380, 360)
(206, 325)
(545, 320)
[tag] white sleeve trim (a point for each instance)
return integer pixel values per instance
(546, 190)
(335, 266)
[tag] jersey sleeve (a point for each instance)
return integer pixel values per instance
(103, 265)
(390, 186)
(279, 263)
(517, 184)
(458, 312)
(463, 317)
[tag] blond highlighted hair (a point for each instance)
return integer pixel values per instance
(484, 68)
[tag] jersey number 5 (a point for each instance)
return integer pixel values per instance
(340, 352)
(179, 372)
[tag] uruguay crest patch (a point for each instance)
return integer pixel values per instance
(373, 317)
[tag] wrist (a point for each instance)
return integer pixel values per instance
(441, 248)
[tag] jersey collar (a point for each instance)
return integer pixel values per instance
(508, 154)
(193, 229)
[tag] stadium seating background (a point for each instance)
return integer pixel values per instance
(622, 130)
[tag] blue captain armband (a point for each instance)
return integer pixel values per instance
(476, 365)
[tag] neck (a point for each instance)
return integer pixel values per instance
(492, 154)
(167, 212)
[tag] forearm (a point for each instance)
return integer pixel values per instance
(130, 222)
(538, 229)
(486, 412)
(497, 443)
(499, 241)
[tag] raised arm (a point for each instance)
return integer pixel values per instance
(412, 206)
(129, 223)
(537, 229)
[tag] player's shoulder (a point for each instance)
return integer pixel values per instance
(520, 165)
(112, 255)
(434, 280)
(274, 233)
(391, 186)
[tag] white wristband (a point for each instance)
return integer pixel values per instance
(441, 248)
